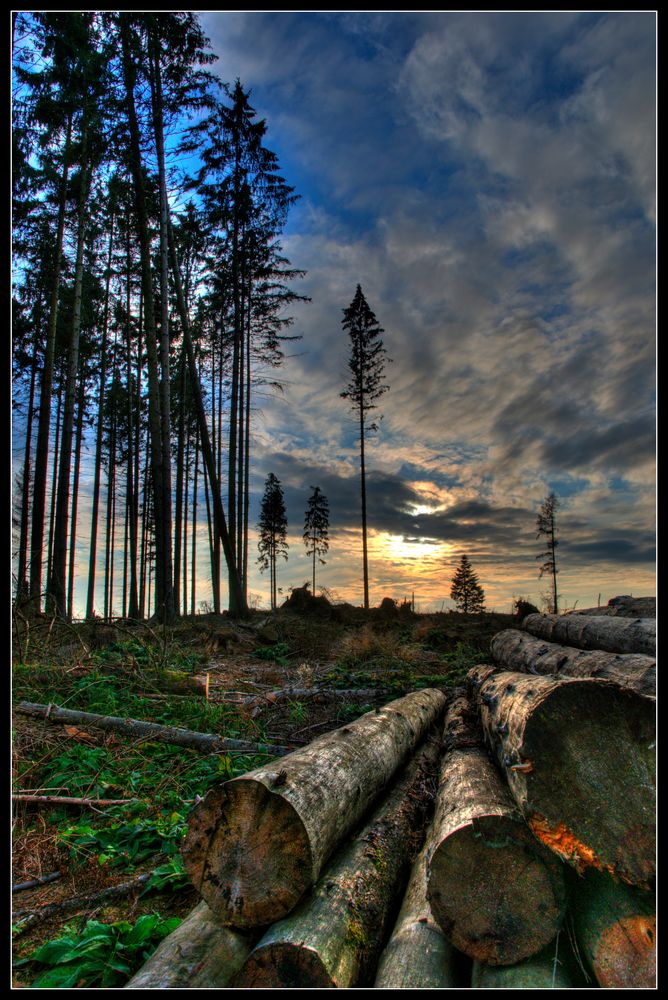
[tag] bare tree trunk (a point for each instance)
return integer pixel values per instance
(155, 75)
(238, 603)
(365, 558)
(178, 509)
(90, 600)
(22, 587)
(46, 390)
(163, 588)
(56, 585)
(75, 496)
(193, 571)
(54, 476)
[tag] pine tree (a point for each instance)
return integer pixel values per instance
(466, 592)
(316, 528)
(272, 525)
(547, 526)
(366, 365)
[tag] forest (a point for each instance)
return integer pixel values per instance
(151, 310)
(315, 794)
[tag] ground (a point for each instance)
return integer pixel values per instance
(132, 669)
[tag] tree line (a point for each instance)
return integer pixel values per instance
(151, 329)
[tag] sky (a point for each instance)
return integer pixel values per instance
(489, 181)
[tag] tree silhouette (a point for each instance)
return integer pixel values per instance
(367, 366)
(316, 527)
(466, 592)
(272, 525)
(547, 526)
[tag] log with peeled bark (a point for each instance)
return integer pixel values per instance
(578, 756)
(615, 927)
(497, 893)
(334, 936)
(200, 953)
(138, 729)
(257, 843)
(516, 650)
(615, 635)
(553, 968)
(418, 955)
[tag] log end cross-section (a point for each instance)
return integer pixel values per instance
(244, 829)
(579, 759)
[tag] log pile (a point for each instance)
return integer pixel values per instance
(514, 849)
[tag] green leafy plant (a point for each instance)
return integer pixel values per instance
(278, 653)
(298, 712)
(126, 843)
(102, 955)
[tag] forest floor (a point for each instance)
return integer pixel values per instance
(120, 669)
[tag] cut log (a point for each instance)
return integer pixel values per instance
(178, 682)
(257, 843)
(579, 759)
(497, 893)
(418, 956)
(199, 954)
(551, 969)
(615, 927)
(616, 635)
(515, 650)
(137, 729)
(334, 937)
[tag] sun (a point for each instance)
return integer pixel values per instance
(409, 547)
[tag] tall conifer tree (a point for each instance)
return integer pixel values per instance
(316, 528)
(273, 526)
(466, 592)
(367, 366)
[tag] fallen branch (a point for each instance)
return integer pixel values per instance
(79, 902)
(36, 882)
(204, 742)
(68, 800)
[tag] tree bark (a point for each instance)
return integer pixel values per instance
(497, 893)
(199, 954)
(138, 729)
(334, 937)
(578, 756)
(81, 405)
(418, 956)
(615, 927)
(515, 650)
(257, 843)
(615, 635)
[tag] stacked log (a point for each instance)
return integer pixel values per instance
(334, 937)
(200, 953)
(418, 955)
(517, 650)
(257, 844)
(553, 968)
(563, 745)
(302, 864)
(615, 635)
(495, 890)
(615, 926)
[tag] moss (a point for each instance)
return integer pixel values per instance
(356, 935)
